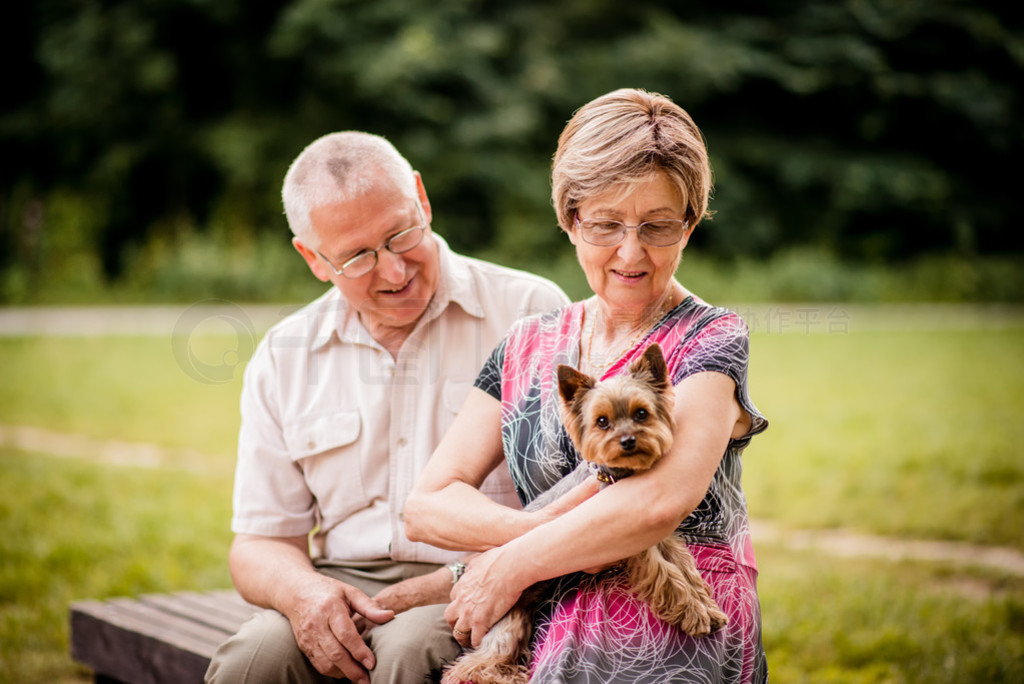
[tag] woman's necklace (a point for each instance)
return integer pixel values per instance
(612, 358)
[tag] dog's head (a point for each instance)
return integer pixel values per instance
(625, 422)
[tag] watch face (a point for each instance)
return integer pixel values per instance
(457, 568)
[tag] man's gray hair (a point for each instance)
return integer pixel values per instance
(338, 167)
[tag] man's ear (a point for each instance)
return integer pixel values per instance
(421, 192)
(313, 260)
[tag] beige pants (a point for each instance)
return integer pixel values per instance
(410, 649)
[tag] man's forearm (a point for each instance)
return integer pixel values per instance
(268, 571)
(425, 590)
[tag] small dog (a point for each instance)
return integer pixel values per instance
(620, 426)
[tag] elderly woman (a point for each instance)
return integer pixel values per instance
(630, 181)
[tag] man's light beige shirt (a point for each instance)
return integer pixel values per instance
(335, 431)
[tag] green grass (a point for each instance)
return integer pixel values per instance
(126, 388)
(901, 432)
(854, 621)
(71, 530)
(911, 433)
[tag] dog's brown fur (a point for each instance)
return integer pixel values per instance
(624, 425)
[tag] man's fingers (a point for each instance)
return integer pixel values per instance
(352, 650)
(334, 661)
(364, 605)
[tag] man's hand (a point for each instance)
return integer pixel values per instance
(322, 620)
(425, 590)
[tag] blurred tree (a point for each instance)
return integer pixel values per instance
(876, 129)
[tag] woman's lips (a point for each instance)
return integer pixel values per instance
(629, 275)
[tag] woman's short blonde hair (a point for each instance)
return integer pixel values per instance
(622, 138)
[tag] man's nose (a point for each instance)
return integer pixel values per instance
(391, 266)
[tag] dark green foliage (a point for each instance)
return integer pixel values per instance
(873, 129)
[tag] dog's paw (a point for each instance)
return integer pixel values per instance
(700, 617)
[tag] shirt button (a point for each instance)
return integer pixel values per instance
(402, 441)
(310, 444)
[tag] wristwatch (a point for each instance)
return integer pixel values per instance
(457, 568)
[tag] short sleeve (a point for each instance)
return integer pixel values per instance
(489, 378)
(271, 497)
(719, 343)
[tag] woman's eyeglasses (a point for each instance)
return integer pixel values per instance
(607, 232)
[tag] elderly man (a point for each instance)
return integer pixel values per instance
(343, 403)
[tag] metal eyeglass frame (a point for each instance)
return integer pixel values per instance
(641, 235)
(384, 245)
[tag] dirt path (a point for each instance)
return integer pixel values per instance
(837, 543)
(846, 544)
(108, 452)
(764, 318)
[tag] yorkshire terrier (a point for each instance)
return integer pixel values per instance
(620, 426)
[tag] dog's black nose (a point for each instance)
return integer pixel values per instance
(628, 442)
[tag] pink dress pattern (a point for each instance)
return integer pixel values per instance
(590, 628)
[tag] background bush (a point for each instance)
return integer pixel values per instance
(144, 151)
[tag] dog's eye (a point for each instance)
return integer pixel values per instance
(602, 422)
(640, 415)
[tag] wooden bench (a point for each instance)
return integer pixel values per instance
(156, 638)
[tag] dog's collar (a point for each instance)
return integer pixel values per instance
(606, 475)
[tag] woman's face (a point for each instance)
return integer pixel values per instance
(631, 274)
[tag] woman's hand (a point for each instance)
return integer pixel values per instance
(570, 500)
(481, 597)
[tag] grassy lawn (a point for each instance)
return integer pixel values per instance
(900, 432)
(911, 433)
(70, 530)
(125, 388)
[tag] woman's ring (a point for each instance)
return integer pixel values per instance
(459, 632)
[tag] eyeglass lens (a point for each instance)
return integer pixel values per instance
(398, 244)
(606, 232)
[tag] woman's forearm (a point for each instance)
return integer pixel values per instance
(599, 532)
(459, 517)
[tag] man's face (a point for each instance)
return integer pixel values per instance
(393, 296)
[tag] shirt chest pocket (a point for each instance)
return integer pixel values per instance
(327, 450)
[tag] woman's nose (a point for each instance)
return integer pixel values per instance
(631, 249)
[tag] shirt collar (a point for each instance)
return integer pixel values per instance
(337, 320)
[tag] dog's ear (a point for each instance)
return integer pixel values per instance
(651, 367)
(572, 387)
(571, 381)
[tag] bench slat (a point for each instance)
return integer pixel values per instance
(158, 639)
(202, 610)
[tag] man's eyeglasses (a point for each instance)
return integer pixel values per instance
(607, 232)
(399, 243)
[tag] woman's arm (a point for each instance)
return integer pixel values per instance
(446, 508)
(610, 526)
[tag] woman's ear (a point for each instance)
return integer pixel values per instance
(687, 232)
(571, 230)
